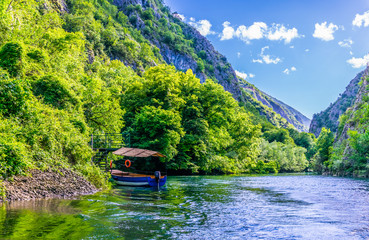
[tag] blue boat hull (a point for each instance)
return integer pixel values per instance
(139, 181)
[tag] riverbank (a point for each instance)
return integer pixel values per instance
(49, 184)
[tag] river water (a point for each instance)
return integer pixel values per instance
(202, 207)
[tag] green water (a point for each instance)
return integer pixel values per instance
(206, 207)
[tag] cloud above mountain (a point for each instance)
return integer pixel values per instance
(266, 58)
(359, 62)
(259, 30)
(244, 75)
(203, 26)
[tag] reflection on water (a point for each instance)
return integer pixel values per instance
(202, 207)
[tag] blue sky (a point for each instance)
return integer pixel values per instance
(302, 52)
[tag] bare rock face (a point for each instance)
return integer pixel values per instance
(329, 118)
(60, 5)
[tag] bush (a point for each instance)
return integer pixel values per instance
(11, 58)
(12, 96)
(55, 91)
(168, 37)
(133, 20)
(148, 14)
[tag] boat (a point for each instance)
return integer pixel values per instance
(137, 179)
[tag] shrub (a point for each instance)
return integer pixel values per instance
(11, 58)
(55, 91)
(12, 96)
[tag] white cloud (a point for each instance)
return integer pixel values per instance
(292, 46)
(307, 50)
(241, 74)
(238, 54)
(351, 53)
(324, 31)
(259, 30)
(228, 31)
(244, 75)
(280, 32)
(359, 62)
(203, 26)
(288, 70)
(361, 20)
(266, 58)
(182, 16)
(255, 31)
(346, 43)
(257, 61)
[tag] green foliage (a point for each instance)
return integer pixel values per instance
(324, 150)
(14, 155)
(58, 85)
(94, 175)
(200, 65)
(55, 91)
(168, 37)
(360, 156)
(202, 54)
(279, 135)
(13, 96)
(198, 126)
(148, 14)
(289, 158)
(159, 129)
(11, 58)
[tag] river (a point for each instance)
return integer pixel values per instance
(202, 207)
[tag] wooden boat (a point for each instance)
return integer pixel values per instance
(137, 179)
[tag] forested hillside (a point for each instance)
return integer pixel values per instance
(329, 118)
(276, 112)
(183, 46)
(344, 149)
(69, 69)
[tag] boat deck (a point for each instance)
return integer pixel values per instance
(119, 173)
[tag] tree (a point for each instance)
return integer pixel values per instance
(324, 148)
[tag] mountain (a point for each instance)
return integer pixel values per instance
(268, 103)
(184, 47)
(329, 118)
(351, 147)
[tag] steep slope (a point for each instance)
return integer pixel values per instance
(183, 46)
(351, 147)
(329, 117)
(294, 117)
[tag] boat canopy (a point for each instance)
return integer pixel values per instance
(136, 152)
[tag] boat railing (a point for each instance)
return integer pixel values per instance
(134, 170)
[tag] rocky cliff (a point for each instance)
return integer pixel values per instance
(183, 46)
(329, 118)
(291, 115)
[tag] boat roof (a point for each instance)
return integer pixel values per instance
(137, 152)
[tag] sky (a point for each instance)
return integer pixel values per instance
(303, 53)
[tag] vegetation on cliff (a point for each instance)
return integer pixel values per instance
(346, 153)
(67, 71)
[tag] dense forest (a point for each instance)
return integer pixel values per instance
(75, 68)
